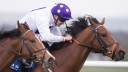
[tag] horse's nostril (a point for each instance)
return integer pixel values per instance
(50, 59)
(121, 54)
(50, 62)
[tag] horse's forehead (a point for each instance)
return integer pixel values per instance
(98, 26)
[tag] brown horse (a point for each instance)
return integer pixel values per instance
(20, 43)
(86, 38)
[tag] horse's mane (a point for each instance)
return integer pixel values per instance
(77, 26)
(12, 34)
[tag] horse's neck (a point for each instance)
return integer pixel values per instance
(9, 43)
(72, 57)
(6, 55)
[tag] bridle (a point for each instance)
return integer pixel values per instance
(19, 54)
(100, 41)
(32, 54)
(104, 46)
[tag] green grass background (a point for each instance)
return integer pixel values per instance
(104, 69)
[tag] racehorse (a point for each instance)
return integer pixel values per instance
(21, 43)
(89, 35)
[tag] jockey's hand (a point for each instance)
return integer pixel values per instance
(68, 37)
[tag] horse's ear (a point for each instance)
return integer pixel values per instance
(92, 22)
(103, 21)
(22, 26)
(18, 24)
(26, 26)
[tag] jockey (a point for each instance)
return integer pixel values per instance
(45, 23)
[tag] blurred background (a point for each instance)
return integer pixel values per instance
(115, 12)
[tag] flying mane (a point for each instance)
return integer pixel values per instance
(12, 34)
(77, 26)
(80, 24)
(15, 33)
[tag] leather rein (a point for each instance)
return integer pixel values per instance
(100, 41)
(31, 54)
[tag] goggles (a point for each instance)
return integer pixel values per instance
(62, 19)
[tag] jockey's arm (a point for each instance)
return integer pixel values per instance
(44, 30)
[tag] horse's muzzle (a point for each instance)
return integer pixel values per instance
(119, 55)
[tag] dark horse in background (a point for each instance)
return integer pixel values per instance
(86, 38)
(21, 43)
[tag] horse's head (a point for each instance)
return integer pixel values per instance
(104, 42)
(32, 46)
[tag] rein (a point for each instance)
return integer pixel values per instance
(88, 46)
(31, 54)
(23, 43)
(13, 51)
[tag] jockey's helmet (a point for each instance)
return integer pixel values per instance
(62, 10)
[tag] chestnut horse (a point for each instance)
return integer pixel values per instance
(89, 35)
(20, 43)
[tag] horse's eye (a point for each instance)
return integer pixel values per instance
(32, 41)
(104, 35)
